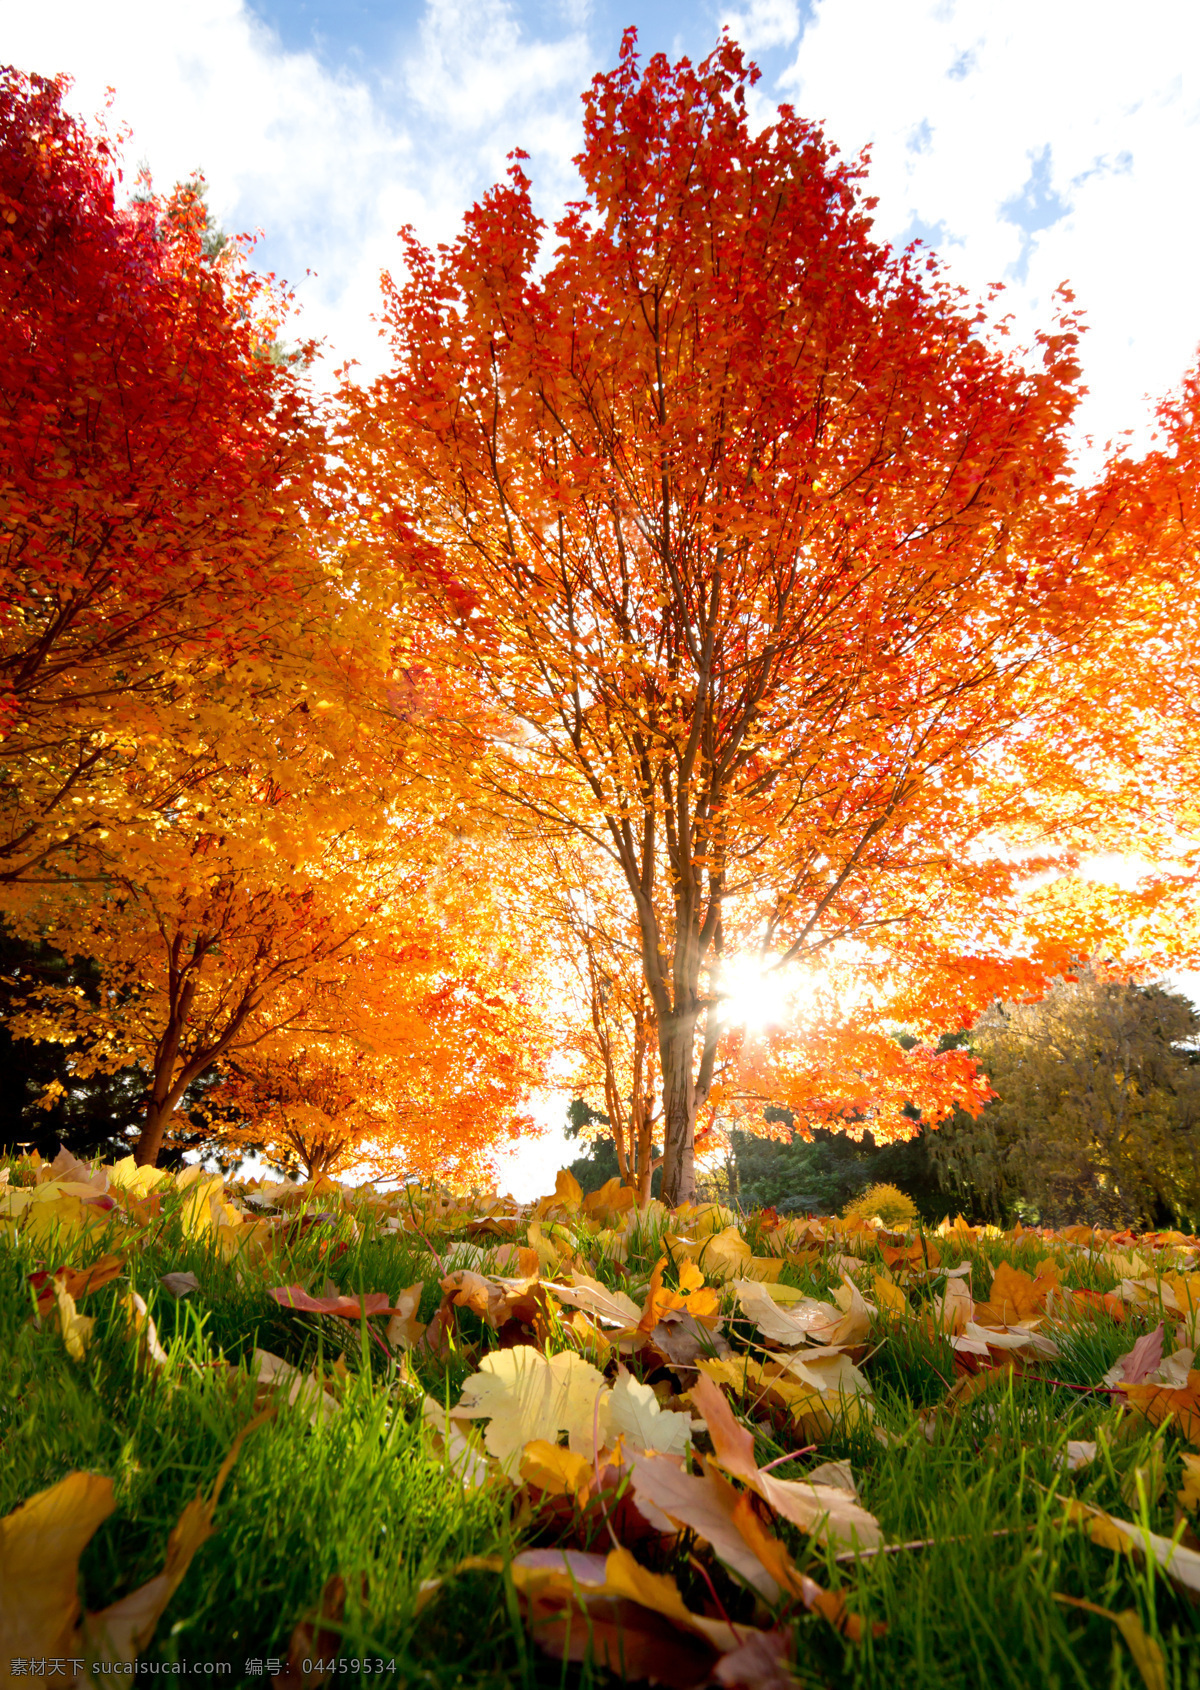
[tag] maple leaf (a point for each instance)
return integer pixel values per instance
(636, 1414)
(525, 1396)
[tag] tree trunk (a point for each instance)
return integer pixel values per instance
(158, 1113)
(679, 1112)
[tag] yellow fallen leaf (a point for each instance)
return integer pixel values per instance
(636, 1414)
(557, 1471)
(40, 1545)
(1189, 1490)
(1145, 1651)
(525, 1396)
(76, 1328)
(140, 1180)
(891, 1299)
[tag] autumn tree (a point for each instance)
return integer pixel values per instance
(1097, 1116)
(156, 467)
(756, 542)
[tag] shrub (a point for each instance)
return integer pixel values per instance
(894, 1207)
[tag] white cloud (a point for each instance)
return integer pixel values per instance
(764, 24)
(961, 99)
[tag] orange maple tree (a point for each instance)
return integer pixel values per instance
(157, 460)
(736, 515)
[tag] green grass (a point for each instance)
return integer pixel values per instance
(363, 1495)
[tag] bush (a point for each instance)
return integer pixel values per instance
(893, 1206)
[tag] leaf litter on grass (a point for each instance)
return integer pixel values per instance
(688, 1419)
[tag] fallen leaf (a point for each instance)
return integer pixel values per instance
(760, 1663)
(824, 1511)
(1189, 1491)
(273, 1374)
(345, 1308)
(76, 1328)
(121, 1631)
(40, 1545)
(141, 1326)
(1145, 1651)
(1138, 1363)
(179, 1284)
(468, 1465)
(1181, 1565)
(636, 1414)
(525, 1395)
(1014, 1296)
(556, 1471)
(313, 1639)
(403, 1330)
(611, 1308)
(77, 1282)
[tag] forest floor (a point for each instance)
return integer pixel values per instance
(982, 1448)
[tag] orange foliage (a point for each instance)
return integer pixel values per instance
(771, 562)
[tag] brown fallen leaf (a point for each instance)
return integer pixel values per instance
(1137, 1364)
(345, 1308)
(179, 1284)
(761, 1663)
(824, 1511)
(403, 1329)
(313, 1640)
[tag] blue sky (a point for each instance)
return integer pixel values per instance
(1032, 142)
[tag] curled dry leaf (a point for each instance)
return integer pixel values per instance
(826, 1512)
(846, 1321)
(179, 1284)
(345, 1308)
(77, 1282)
(142, 1329)
(610, 1308)
(76, 1328)
(403, 1329)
